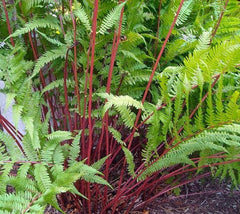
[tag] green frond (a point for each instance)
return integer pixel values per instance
(132, 40)
(41, 175)
(47, 22)
(185, 12)
(233, 111)
(117, 101)
(204, 41)
(28, 4)
(52, 85)
(23, 170)
(58, 157)
(80, 13)
(9, 99)
(122, 104)
(97, 165)
(60, 135)
(48, 57)
(28, 148)
(130, 161)
(51, 40)
(75, 148)
(12, 149)
(17, 112)
(129, 54)
(127, 115)
(212, 140)
(28, 122)
(111, 19)
(117, 135)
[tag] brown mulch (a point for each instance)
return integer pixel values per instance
(209, 197)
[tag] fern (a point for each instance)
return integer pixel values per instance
(185, 12)
(47, 22)
(51, 40)
(75, 148)
(130, 161)
(48, 57)
(122, 103)
(117, 135)
(111, 19)
(80, 13)
(182, 153)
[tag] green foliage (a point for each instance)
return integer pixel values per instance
(111, 19)
(57, 81)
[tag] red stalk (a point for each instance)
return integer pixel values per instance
(158, 26)
(90, 125)
(220, 19)
(75, 62)
(94, 30)
(85, 107)
(115, 45)
(67, 112)
(8, 22)
(9, 131)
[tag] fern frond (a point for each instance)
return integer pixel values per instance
(17, 112)
(204, 41)
(185, 12)
(233, 112)
(47, 22)
(28, 4)
(119, 101)
(75, 148)
(51, 40)
(97, 165)
(42, 177)
(111, 18)
(60, 135)
(80, 13)
(130, 161)
(49, 56)
(117, 135)
(12, 149)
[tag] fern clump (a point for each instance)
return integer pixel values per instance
(117, 98)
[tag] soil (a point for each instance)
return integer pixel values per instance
(209, 197)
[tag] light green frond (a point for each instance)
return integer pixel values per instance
(204, 41)
(130, 161)
(41, 175)
(51, 40)
(80, 13)
(233, 112)
(111, 19)
(97, 165)
(117, 135)
(185, 12)
(48, 57)
(17, 112)
(47, 22)
(119, 101)
(75, 148)
(11, 146)
(60, 135)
